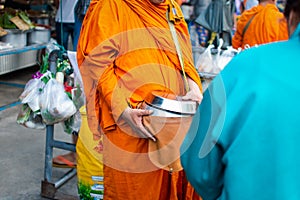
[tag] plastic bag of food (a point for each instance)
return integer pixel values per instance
(31, 93)
(206, 61)
(30, 119)
(55, 104)
(224, 56)
(72, 124)
(78, 95)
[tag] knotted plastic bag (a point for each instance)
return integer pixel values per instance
(224, 57)
(30, 119)
(207, 61)
(31, 93)
(55, 104)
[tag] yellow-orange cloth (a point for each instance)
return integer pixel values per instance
(89, 159)
(268, 25)
(130, 38)
(125, 51)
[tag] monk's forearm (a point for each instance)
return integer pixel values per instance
(113, 95)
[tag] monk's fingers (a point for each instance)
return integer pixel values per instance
(143, 112)
(193, 96)
(134, 118)
(145, 133)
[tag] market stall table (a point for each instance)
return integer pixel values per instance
(18, 58)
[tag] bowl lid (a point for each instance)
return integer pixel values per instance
(169, 102)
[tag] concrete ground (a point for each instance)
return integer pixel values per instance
(22, 150)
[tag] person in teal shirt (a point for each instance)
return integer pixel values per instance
(243, 143)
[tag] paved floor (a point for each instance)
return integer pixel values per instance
(22, 149)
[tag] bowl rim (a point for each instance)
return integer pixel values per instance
(172, 105)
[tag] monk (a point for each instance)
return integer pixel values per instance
(125, 52)
(261, 24)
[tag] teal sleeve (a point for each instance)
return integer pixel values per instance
(201, 153)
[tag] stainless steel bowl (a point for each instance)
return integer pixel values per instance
(172, 104)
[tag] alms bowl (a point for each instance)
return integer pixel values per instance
(171, 103)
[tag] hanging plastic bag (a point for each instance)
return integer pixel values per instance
(72, 124)
(51, 46)
(31, 93)
(30, 119)
(213, 60)
(78, 92)
(55, 104)
(224, 57)
(206, 62)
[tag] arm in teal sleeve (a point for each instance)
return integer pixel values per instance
(201, 152)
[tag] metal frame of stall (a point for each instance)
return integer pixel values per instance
(19, 58)
(12, 59)
(28, 56)
(48, 187)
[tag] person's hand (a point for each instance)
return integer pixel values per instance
(134, 118)
(194, 94)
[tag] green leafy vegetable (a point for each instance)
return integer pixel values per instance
(7, 24)
(84, 191)
(23, 15)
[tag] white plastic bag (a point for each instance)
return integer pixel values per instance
(55, 104)
(206, 61)
(213, 61)
(31, 93)
(78, 96)
(29, 119)
(72, 124)
(224, 57)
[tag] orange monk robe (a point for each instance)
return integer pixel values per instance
(268, 25)
(179, 2)
(125, 51)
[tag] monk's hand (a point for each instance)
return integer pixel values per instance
(194, 94)
(134, 118)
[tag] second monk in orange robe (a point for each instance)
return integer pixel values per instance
(265, 24)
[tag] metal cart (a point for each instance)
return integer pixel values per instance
(48, 186)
